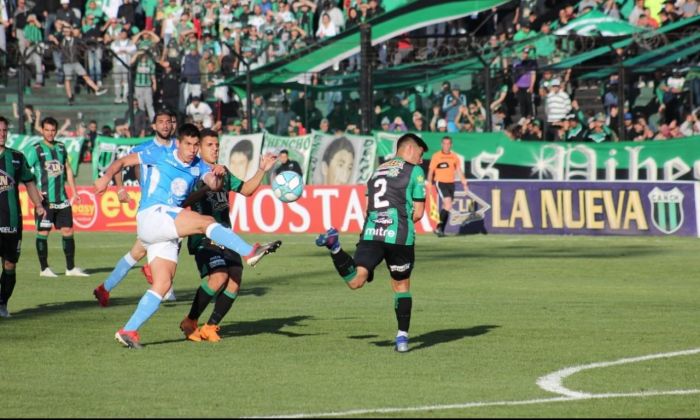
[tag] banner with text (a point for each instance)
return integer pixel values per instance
(582, 208)
(513, 207)
(341, 160)
(73, 146)
(299, 148)
(495, 156)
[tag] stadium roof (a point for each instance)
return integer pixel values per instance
(324, 54)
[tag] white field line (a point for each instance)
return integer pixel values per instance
(551, 382)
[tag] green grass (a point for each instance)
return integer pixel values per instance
(491, 315)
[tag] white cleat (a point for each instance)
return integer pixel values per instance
(47, 273)
(77, 272)
(3, 312)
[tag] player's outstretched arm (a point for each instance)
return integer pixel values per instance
(116, 166)
(267, 161)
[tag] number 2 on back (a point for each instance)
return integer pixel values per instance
(380, 190)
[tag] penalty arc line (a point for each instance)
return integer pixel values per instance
(551, 381)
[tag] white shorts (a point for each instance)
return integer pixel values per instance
(155, 228)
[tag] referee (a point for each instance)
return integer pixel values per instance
(444, 166)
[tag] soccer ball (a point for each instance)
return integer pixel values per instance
(288, 186)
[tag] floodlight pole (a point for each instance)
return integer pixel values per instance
(366, 87)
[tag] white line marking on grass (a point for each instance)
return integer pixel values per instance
(551, 383)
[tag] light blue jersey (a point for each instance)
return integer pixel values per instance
(150, 145)
(169, 180)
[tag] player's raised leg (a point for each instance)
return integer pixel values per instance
(191, 223)
(354, 276)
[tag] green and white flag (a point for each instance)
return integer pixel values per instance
(299, 148)
(596, 23)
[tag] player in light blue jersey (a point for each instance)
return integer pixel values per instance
(164, 138)
(160, 222)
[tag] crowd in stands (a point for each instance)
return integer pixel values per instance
(177, 53)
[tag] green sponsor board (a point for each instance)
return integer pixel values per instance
(73, 146)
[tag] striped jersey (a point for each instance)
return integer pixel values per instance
(391, 191)
(215, 204)
(48, 162)
(13, 170)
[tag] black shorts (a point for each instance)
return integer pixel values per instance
(10, 246)
(211, 257)
(59, 216)
(399, 258)
(446, 189)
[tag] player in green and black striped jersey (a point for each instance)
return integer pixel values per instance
(49, 162)
(222, 268)
(13, 170)
(395, 201)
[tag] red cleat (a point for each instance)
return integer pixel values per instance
(146, 270)
(102, 295)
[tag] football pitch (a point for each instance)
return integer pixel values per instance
(502, 326)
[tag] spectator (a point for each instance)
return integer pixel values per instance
(283, 117)
(524, 71)
(286, 164)
(168, 87)
(123, 49)
(144, 82)
(450, 107)
(200, 112)
(557, 107)
(71, 62)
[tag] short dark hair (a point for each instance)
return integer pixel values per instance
(188, 130)
(4, 120)
(50, 121)
(285, 151)
(162, 111)
(244, 146)
(208, 132)
(410, 137)
(341, 143)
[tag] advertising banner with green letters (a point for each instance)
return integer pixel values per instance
(73, 146)
(576, 208)
(495, 156)
(299, 148)
(109, 149)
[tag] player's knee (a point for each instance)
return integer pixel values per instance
(7, 265)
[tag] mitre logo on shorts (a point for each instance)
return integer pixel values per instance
(400, 268)
(85, 213)
(54, 168)
(178, 187)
